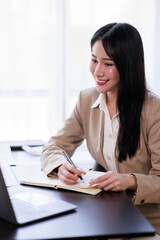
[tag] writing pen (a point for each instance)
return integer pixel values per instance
(70, 161)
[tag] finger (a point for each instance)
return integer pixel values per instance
(74, 169)
(112, 188)
(66, 181)
(82, 171)
(99, 179)
(106, 182)
(67, 173)
(109, 187)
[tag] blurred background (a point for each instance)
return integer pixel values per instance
(45, 55)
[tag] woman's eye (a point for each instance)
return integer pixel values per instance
(94, 60)
(109, 64)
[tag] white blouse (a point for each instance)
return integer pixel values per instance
(111, 127)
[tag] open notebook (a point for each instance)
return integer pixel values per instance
(53, 181)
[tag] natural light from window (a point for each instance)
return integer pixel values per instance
(45, 54)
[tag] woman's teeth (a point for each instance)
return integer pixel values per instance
(101, 81)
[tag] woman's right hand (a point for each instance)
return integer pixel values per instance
(69, 174)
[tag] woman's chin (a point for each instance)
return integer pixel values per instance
(101, 89)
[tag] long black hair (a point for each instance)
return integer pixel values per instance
(123, 43)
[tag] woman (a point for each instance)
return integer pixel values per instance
(120, 120)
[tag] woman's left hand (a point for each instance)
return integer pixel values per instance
(115, 181)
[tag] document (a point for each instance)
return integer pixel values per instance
(53, 181)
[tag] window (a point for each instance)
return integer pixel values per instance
(45, 54)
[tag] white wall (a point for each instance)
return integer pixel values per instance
(45, 54)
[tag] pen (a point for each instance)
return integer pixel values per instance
(70, 161)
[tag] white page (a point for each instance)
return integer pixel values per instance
(42, 179)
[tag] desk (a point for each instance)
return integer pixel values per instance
(105, 215)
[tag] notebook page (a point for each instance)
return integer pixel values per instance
(41, 179)
(86, 179)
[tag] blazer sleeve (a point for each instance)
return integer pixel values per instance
(68, 138)
(148, 186)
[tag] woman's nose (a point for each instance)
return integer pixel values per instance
(99, 71)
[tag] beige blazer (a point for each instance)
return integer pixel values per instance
(88, 123)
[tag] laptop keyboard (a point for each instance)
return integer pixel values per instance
(24, 210)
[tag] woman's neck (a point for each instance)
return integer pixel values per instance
(111, 101)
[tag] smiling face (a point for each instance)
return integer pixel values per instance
(103, 69)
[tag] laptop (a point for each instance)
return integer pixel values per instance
(29, 206)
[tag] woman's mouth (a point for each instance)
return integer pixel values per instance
(101, 82)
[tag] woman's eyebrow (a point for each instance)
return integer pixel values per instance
(109, 59)
(93, 55)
